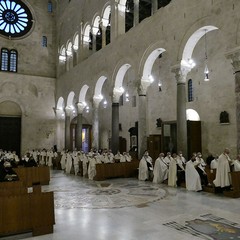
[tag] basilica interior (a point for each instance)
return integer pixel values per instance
(125, 75)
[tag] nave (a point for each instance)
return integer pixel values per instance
(128, 209)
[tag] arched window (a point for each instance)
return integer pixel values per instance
(145, 9)
(4, 59)
(108, 34)
(13, 61)
(15, 18)
(106, 22)
(99, 39)
(9, 60)
(44, 41)
(50, 7)
(90, 46)
(190, 91)
(129, 15)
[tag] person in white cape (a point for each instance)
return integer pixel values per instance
(193, 180)
(222, 179)
(145, 167)
(160, 171)
(172, 174)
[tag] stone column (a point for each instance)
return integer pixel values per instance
(115, 127)
(80, 108)
(67, 128)
(59, 136)
(117, 92)
(94, 43)
(117, 19)
(154, 6)
(114, 14)
(181, 76)
(136, 12)
(80, 47)
(95, 128)
(96, 102)
(103, 36)
(234, 56)
(142, 117)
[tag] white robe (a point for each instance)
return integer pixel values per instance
(213, 164)
(160, 171)
(68, 163)
(193, 180)
(222, 174)
(84, 160)
(76, 164)
(143, 170)
(92, 168)
(236, 165)
(172, 174)
(63, 161)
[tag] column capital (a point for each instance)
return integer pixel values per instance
(234, 56)
(68, 111)
(80, 107)
(143, 86)
(181, 72)
(117, 93)
(97, 100)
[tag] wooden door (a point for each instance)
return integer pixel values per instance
(194, 137)
(10, 134)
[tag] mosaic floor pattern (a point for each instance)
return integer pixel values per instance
(208, 227)
(107, 194)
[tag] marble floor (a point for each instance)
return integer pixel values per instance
(127, 209)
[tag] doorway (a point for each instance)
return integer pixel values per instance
(10, 126)
(86, 136)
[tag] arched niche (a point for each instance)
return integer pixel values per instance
(9, 108)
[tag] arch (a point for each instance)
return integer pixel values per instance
(122, 5)
(69, 48)
(8, 88)
(70, 99)
(86, 33)
(148, 59)
(75, 41)
(13, 99)
(10, 108)
(60, 103)
(83, 92)
(32, 89)
(106, 14)
(62, 54)
(120, 76)
(98, 89)
(192, 115)
(192, 42)
(95, 25)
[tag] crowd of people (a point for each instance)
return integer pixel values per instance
(174, 169)
(32, 158)
(70, 160)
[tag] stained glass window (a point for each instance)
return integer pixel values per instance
(13, 61)
(190, 90)
(15, 18)
(50, 7)
(44, 41)
(4, 59)
(9, 59)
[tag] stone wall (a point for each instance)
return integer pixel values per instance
(33, 86)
